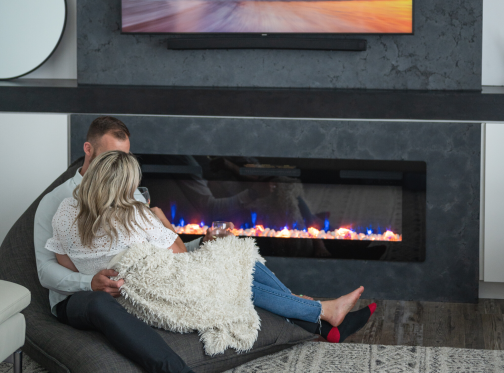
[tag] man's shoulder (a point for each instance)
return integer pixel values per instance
(59, 193)
(45, 212)
(53, 199)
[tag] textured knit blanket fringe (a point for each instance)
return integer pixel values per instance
(208, 290)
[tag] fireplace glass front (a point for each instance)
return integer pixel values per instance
(296, 207)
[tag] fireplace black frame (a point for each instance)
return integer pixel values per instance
(409, 175)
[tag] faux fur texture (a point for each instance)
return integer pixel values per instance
(208, 290)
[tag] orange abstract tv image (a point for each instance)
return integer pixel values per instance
(268, 16)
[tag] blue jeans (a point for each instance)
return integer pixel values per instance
(270, 294)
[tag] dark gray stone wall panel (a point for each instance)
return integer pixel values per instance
(444, 53)
(452, 154)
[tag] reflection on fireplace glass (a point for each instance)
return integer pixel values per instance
(294, 206)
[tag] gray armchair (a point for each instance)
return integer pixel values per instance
(60, 348)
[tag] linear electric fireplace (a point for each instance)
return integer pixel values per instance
(420, 180)
(297, 207)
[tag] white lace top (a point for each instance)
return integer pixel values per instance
(90, 261)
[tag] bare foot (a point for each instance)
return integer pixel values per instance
(303, 296)
(334, 311)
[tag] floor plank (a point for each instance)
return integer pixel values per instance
(434, 324)
(456, 326)
(492, 331)
(473, 327)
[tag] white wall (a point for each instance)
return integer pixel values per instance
(63, 62)
(494, 204)
(493, 43)
(33, 152)
(491, 290)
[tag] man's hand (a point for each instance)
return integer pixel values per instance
(210, 236)
(102, 282)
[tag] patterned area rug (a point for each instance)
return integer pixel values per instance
(29, 366)
(313, 357)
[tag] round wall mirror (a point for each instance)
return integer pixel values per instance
(30, 31)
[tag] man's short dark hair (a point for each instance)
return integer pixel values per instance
(103, 125)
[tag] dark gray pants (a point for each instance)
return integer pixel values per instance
(96, 310)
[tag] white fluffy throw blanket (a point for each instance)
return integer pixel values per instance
(208, 290)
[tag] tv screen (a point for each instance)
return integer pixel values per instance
(268, 16)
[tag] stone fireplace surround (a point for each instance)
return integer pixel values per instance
(452, 154)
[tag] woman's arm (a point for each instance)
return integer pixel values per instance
(178, 246)
(65, 261)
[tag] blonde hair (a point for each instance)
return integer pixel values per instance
(106, 196)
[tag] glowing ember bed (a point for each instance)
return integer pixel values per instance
(260, 231)
(297, 207)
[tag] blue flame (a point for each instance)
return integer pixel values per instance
(326, 225)
(202, 224)
(173, 211)
(369, 230)
(294, 225)
(253, 216)
(182, 222)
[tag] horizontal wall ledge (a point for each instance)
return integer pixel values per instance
(66, 96)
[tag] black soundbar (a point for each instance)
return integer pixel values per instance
(267, 42)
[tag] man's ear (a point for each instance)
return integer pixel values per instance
(88, 149)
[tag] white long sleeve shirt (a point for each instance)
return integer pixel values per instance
(61, 281)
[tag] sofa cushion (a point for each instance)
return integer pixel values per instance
(60, 348)
(14, 298)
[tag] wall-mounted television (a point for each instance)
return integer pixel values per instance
(268, 16)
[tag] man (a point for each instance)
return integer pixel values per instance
(85, 301)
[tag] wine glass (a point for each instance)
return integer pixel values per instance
(221, 229)
(145, 194)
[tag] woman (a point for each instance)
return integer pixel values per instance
(103, 219)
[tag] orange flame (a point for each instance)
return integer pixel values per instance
(260, 231)
(284, 233)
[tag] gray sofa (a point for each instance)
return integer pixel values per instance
(60, 348)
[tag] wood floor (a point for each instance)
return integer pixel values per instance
(432, 324)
